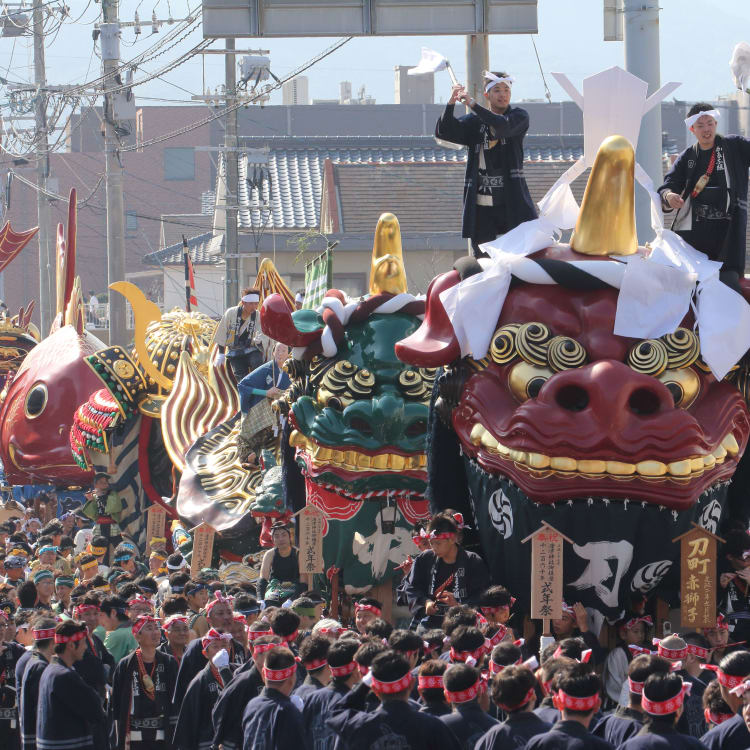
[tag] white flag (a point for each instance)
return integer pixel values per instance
(431, 62)
(739, 65)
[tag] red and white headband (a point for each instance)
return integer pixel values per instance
(214, 635)
(81, 608)
(670, 653)
(699, 651)
(368, 608)
(585, 655)
(491, 610)
(740, 689)
(712, 717)
(726, 680)
(395, 686)
(219, 598)
(633, 621)
(476, 654)
(499, 635)
(430, 681)
(635, 687)
(255, 634)
(279, 675)
(291, 637)
(464, 696)
(562, 700)
(172, 619)
(669, 706)
(343, 671)
(314, 664)
(43, 635)
(261, 648)
(79, 636)
(141, 621)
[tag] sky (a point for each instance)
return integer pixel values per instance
(697, 39)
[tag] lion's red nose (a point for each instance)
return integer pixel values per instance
(607, 387)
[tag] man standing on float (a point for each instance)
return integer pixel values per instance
(705, 193)
(496, 197)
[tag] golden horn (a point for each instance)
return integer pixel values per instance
(387, 272)
(144, 312)
(606, 223)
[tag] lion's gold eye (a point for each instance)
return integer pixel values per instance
(684, 385)
(526, 380)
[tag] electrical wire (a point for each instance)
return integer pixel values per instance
(245, 102)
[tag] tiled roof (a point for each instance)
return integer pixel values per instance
(204, 250)
(293, 175)
(173, 226)
(426, 197)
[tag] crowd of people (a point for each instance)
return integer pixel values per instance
(106, 647)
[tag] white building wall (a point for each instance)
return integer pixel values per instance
(209, 289)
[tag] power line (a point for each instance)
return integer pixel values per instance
(227, 110)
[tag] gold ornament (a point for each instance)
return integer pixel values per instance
(123, 369)
(387, 272)
(606, 222)
(649, 357)
(564, 353)
(531, 341)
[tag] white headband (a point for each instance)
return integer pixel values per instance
(494, 80)
(251, 298)
(299, 297)
(690, 121)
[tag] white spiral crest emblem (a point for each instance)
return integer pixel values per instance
(501, 513)
(649, 576)
(710, 516)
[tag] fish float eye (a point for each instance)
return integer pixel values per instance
(36, 400)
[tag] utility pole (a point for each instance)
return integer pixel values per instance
(47, 264)
(477, 61)
(641, 34)
(110, 45)
(231, 160)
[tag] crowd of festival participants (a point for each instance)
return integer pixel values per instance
(107, 646)
(104, 645)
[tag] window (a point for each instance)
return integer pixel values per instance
(131, 221)
(179, 164)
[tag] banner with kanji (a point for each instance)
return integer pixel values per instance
(604, 566)
(697, 578)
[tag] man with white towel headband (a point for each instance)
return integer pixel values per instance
(705, 193)
(496, 197)
(239, 337)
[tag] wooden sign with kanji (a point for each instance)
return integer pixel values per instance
(310, 540)
(546, 573)
(698, 578)
(203, 548)
(156, 522)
